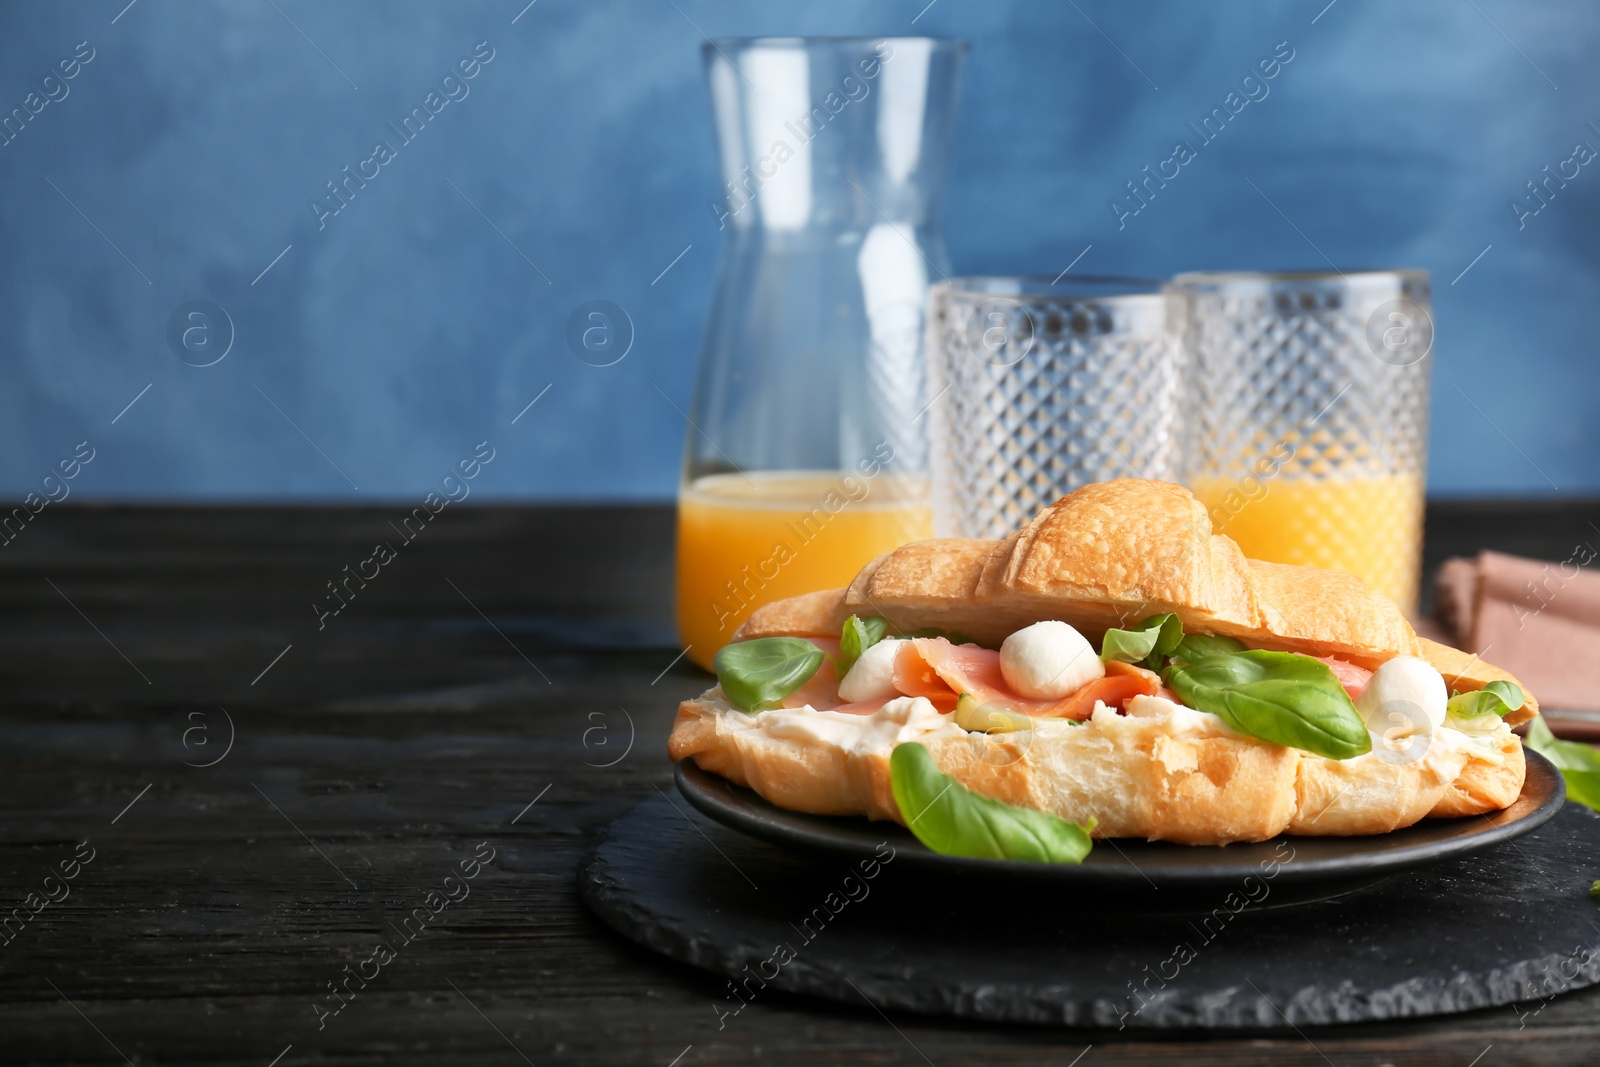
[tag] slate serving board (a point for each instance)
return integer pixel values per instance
(1513, 925)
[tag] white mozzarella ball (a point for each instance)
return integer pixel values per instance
(1405, 689)
(871, 677)
(1048, 660)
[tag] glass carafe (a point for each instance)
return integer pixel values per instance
(807, 451)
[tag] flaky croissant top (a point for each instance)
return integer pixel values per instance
(1109, 554)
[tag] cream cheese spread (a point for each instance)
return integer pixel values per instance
(898, 721)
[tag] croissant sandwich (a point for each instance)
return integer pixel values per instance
(1113, 669)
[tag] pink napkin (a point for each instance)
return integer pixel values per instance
(1539, 620)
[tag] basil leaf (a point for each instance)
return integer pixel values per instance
(1195, 647)
(858, 635)
(1579, 764)
(757, 675)
(1594, 890)
(1282, 697)
(1146, 644)
(1509, 692)
(1496, 698)
(954, 821)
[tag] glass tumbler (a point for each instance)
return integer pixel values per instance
(1308, 443)
(1037, 388)
(804, 456)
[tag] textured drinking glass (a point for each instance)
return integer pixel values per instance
(1309, 395)
(804, 456)
(1039, 388)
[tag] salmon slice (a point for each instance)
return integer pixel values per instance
(918, 675)
(1131, 670)
(1353, 678)
(821, 690)
(830, 648)
(939, 672)
(934, 668)
(1123, 682)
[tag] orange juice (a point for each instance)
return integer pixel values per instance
(744, 541)
(1370, 527)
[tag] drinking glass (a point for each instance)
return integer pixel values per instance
(1038, 387)
(1309, 396)
(804, 456)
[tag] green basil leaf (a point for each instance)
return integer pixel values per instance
(757, 675)
(1496, 698)
(1568, 755)
(858, 635)
(1509, 692)
(1147, 643)
(954, 821)
(1171, 633)
(1579, 764)
(1583, 787)
(1282, 697)
(1196, 647)
(1594, 890)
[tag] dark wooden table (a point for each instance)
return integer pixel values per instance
(476, 699)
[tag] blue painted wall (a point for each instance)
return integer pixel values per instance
(576, 163)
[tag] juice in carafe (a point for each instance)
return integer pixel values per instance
(806, 444)
(1369, 526)
(745, 541)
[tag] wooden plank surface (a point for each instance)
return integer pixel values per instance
(478, 695)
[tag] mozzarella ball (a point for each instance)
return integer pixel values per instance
(1048, 661)
(1404, 689)
(871, 677)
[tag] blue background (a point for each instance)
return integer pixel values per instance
(408, 329)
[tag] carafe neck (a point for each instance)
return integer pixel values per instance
(831, 134)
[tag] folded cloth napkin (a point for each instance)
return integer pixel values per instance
(1539, 620)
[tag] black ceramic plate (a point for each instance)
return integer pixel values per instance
(1136, 866)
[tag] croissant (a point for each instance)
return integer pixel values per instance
(1102, 557)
